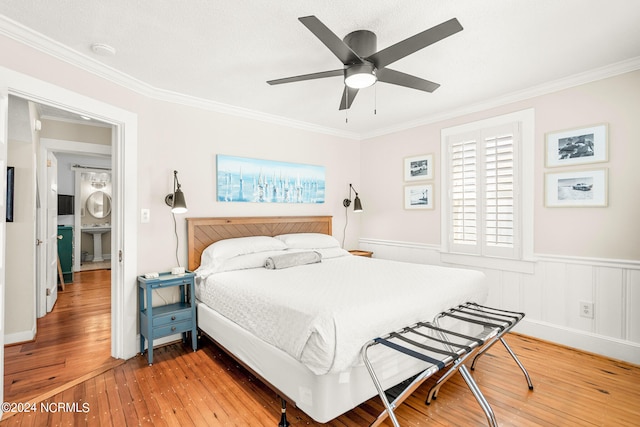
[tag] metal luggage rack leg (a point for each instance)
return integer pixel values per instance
(501, 321)
(438, 348)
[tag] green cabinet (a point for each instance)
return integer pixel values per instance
(65, 252)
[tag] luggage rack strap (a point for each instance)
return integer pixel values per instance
(439, 363)
(470, 311)
(424, 346)
(477, 322)
(478, 341)
(518, 314)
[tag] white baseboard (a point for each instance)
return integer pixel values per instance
(597, 344)
(22, 336)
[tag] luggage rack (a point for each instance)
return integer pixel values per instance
(453, 336)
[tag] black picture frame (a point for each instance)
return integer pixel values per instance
(10, 185)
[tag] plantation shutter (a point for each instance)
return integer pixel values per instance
(483, 182)
(464, 193)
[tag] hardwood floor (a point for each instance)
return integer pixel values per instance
(69, 364)
(72, 341)
(207, 388)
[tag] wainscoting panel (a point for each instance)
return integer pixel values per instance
(552, 295)
(633, 305)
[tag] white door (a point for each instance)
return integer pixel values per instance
(52, 230)
(41, 233)
(4, 109)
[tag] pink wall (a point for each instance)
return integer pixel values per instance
(177, 137)
(612, 232)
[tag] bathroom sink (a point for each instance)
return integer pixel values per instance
(95, 230)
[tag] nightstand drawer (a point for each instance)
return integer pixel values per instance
(172, 328)
(172, 281)
(174, 316)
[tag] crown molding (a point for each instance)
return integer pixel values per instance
(42, 43)
(33, 39)
(589, 76)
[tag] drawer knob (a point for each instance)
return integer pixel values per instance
(173, 317)
(173, 328)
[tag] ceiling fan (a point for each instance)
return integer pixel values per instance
(363, 66)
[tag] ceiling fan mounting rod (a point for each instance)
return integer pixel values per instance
(362, 42)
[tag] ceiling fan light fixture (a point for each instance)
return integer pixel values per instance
(359, 76)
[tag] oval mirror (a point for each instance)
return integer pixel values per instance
(99, 204)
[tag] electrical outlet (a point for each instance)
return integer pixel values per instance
(586, 309)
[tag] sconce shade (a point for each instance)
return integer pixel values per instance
(179, 204)
(357, 206)
(176, 199)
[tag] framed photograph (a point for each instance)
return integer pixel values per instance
(419, 196)
(577, 146)
(576, 188)
(418, 168)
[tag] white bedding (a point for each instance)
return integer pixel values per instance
(321, 314)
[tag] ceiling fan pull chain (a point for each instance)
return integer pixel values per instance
(375, 100)
(346, 110)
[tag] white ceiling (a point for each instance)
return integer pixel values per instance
(223, 52)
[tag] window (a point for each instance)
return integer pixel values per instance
(483, 186)
(482, 182)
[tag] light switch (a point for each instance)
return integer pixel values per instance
(145, 216)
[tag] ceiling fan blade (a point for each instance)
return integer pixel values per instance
(413, 44)
(320, 75)
(333, 42)
(350, 94)
(407, 80)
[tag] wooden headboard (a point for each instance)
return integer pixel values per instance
(201, 232)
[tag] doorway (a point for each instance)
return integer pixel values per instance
(77, 317)
(125, 135)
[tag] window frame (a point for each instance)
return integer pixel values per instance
(524, 191)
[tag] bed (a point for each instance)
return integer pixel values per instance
(312, 319)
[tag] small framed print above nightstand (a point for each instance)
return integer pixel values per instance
(358, 252)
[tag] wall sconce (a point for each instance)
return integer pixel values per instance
(176, 199)
(357, 205)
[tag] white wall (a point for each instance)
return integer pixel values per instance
(584, 254)
(20, 316)
(186, 139)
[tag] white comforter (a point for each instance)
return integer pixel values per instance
(322, 314)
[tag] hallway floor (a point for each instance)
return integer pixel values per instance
(72, 341)
(89, 265)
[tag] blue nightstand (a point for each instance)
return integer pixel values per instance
(170, 319)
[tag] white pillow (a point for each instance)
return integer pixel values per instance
(243, 262)
(229, 248)
(328, 253)
(309, 241)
